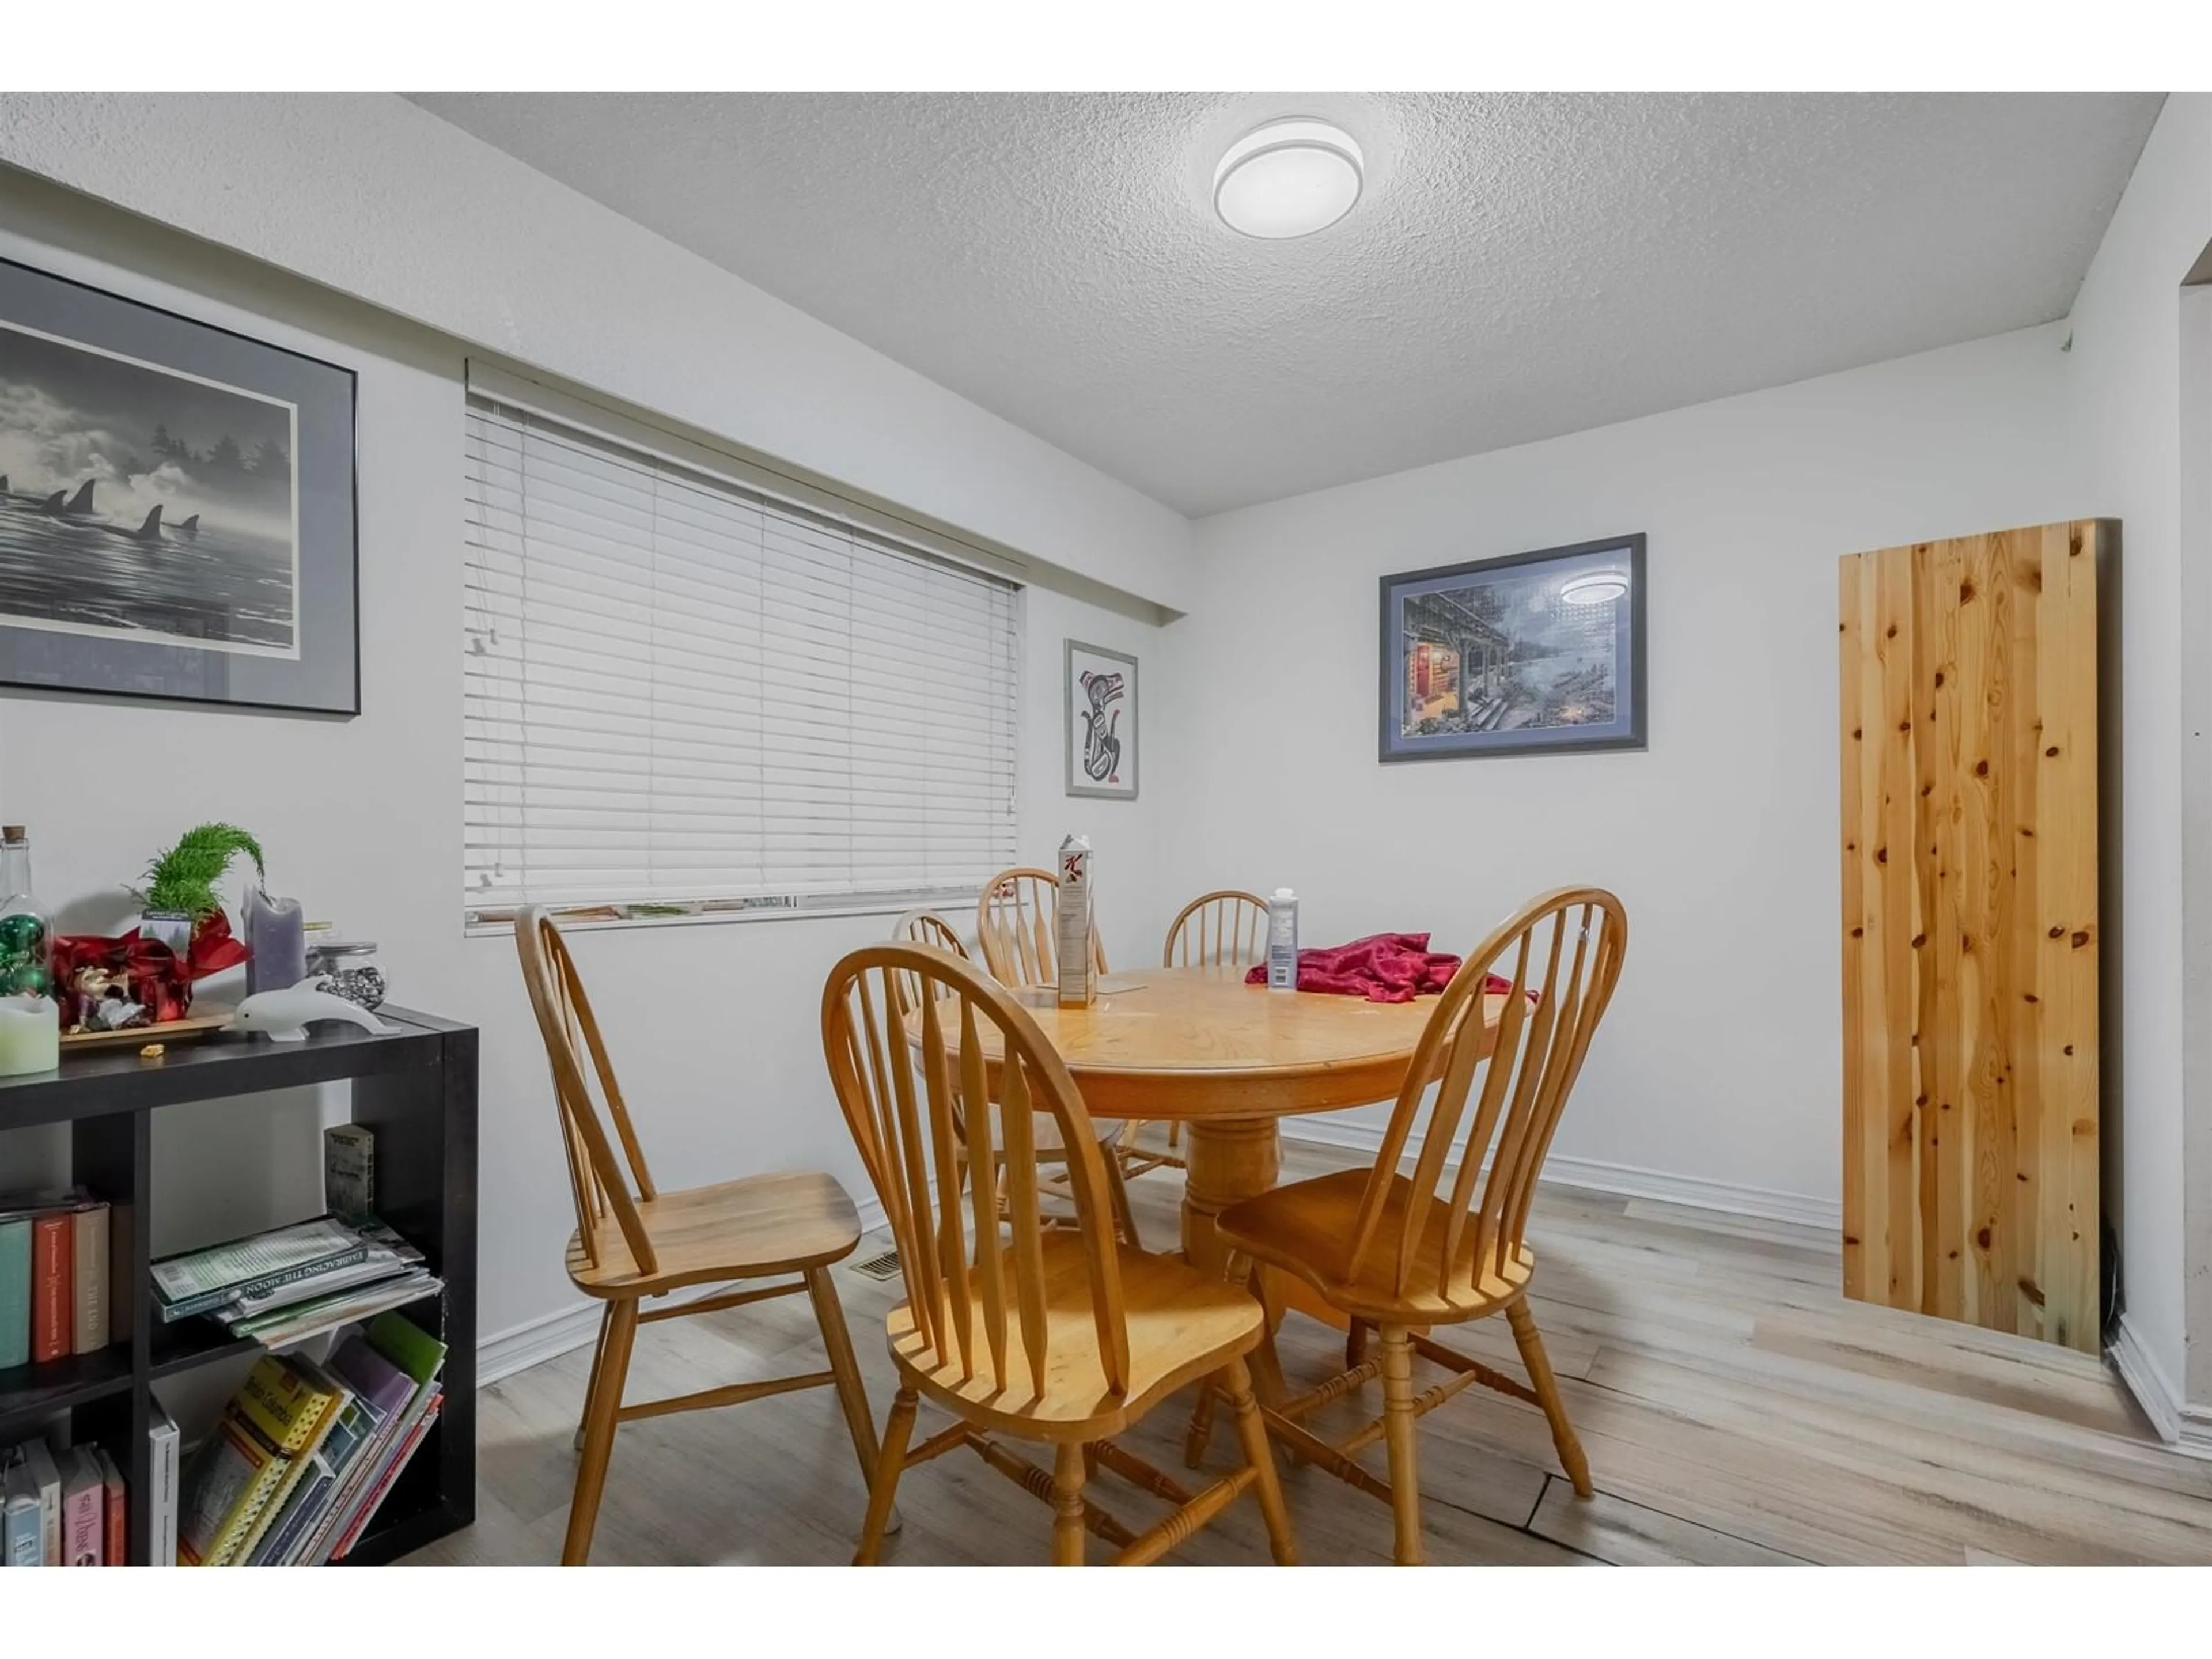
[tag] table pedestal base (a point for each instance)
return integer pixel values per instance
(1230, 1160)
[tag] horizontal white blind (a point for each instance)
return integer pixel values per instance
(681, 692)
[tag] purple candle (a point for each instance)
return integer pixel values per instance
(276, 934)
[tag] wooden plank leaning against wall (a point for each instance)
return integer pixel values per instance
(1970, 922)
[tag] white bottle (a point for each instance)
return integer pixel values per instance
(1283, 941)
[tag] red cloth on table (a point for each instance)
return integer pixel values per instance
(1383, 968)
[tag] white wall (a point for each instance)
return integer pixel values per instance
(2126, 398)
(1721, 1060)
(375, 197)
(362, 819)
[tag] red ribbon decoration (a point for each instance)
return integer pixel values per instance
(150, 971)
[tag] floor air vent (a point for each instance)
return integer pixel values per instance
(885, 1266)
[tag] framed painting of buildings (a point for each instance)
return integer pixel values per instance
(1538, 653)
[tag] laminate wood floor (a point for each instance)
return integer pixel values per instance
(1735, 1410)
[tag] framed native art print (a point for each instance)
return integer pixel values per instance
(1540, 653)
(177, 507)
(1102, 722)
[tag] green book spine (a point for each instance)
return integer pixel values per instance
(408, 1346)
(14, 1292)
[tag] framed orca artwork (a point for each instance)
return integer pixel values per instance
(177, 507)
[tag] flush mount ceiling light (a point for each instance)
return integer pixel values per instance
(1289, 178)
(1594, 588)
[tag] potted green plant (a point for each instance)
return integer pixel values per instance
(179, 897)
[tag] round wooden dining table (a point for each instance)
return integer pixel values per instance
(1227, 1059)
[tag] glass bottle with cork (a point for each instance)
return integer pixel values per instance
(29, 1019)
(26, 937)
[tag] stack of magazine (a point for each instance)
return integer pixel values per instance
(279, 1286)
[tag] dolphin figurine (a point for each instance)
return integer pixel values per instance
(283, 1016)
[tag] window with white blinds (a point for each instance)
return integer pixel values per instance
(686, 697)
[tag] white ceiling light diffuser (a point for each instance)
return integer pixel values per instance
(1289, 178)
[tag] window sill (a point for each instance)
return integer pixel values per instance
(595, 918)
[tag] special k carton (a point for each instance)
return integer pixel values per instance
(1078, 978)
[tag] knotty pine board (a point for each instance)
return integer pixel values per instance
(1970, 929)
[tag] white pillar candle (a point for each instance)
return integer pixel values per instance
(30, 1036)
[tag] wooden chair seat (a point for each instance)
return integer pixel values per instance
(1183, 1324)
(1301, 1229)
(745, 1228)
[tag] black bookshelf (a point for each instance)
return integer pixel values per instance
(416, 1086)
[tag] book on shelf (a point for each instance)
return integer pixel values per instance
(298, 1319)
(62, 1506)
(315, 1383)
(15, 1291)
(166, 1444)
(84, 1508)
(266, 1429)
(417, 1432)
(349, 1171)
(201, 1281)
(115, 1510)
(395, 1366)
(46, 1475)
(88, 1270)
(22, 1531)
(53, 1299)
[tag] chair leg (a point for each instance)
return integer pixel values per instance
(1355, 1345)
(852, 1393)
(1237, 1383)
(891, 1462)
(1067, 1477)
(1201, 1425)
(1398, 1430)
(591, 1387)
(612, 1372)
(1548, 1390)
(1267, 1364)
(1117, 1196)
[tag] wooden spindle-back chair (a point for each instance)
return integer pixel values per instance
(1401, 1253)
(927, 927)
(1015, 930)
(1225, 928)
(1064, 1338)
(634, 1240)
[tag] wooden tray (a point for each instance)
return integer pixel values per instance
(208, 1016)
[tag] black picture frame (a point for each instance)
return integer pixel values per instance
(1496, 719)
(270, 581)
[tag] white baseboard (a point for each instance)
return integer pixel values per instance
(2185, 1427)
(550, 1335)
(1622, 1179)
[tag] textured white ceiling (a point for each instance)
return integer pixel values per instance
(1521, 264)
